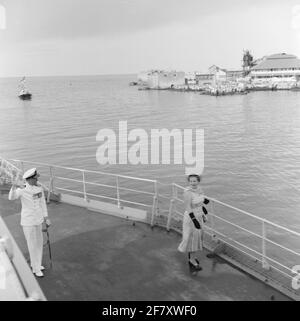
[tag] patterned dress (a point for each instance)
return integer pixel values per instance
(192, 238)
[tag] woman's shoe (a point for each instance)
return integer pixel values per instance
(211, 255)
(194, 267)
(39, 274)
(198, 263)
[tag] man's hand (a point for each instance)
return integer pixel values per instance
(14, 182)
(47, 222)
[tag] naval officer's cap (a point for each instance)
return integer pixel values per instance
(31, 172)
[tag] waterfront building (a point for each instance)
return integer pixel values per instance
(218, 73)
(160, 79)
(143, 77)
(234, 75)
(215, 75)
(283, 67)
(204, 80)
(190, 79)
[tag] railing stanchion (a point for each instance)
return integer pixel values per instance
(50, 190)
(170, 214)
(118, 192)
(154, 210)
(175, 190)
(84, 186)
(22, 167)
(155, 188)
(265, 264)
(212, 221)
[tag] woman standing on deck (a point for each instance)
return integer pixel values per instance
(193, 219)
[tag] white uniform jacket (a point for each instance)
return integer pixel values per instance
(34, 208)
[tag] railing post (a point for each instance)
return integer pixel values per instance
(212, 221)
(84, 186)
(22, 167)
(155, 188)
(118, 192)
(50, 190)
(174, 191)
(154, 210)
(265, 264)
(170, 214)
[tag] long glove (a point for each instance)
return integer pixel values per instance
(206, 201)
(195, 221)
(204, 210)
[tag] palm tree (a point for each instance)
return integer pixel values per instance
(247, 62)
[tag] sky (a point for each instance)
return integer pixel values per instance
(86, 37)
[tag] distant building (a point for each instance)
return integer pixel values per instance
(143, 77)
(204, 80)
(218, 73)
(218, 76)
(215, 75)
(233, 75)
(190, 78)
(161, 79)
(283, 66)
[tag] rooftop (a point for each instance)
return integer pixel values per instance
(278, 61)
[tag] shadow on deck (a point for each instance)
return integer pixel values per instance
(101, 257)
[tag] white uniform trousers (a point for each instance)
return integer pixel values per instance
(34, 238)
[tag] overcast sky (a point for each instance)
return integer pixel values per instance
(79, 37)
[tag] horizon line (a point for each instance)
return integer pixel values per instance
(68, 75)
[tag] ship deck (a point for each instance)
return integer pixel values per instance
(102, 257)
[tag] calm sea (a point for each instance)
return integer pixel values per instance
(252, 142)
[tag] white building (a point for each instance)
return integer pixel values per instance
(143, 77)
(283, 67)
(190, 78)
(159, 79)
(219, 74)
(204, 80)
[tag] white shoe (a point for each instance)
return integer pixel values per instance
(39, 274)
(42, 268)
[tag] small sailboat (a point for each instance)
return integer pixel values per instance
(24, 94)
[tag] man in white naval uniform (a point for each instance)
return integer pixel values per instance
(34, 213)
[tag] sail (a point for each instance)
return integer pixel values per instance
(22, 86)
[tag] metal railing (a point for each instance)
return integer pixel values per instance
(89, 187)
(9, 172)
(274, 246)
